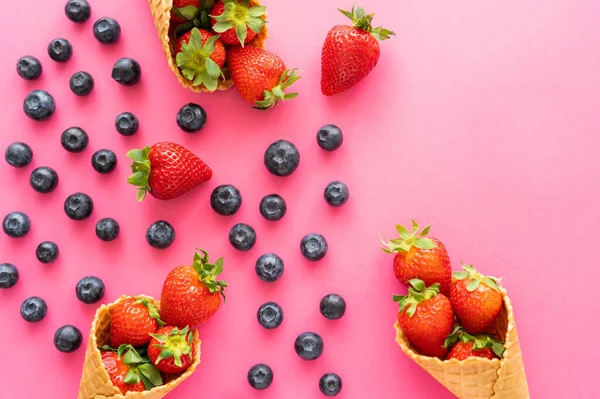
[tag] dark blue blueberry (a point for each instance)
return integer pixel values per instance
(39, 105)
(18, 155)
(60, 50)
(29, 67)
(16, 224)
(313, 247)
(9, 275)
(104, 161)
(242, 237)
(107, 30)
(127, 71)
(260, 376)
(127, 124)
(160, 234)
(47, 252)
(282, 158)
(332, 306)
(270, 315)
(309, 345)
(74, 139)
(336, 193)
(43, 179)
(272, 207)
(67, 339)
(269, 267)
(89, 290)
(330, 137)
(79, 206)
(107, 229)
(226, 200)
(78, 10)
(191, 118)
(81, 83)
(330, 384)
(33, 309)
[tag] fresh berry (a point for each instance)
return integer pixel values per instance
(29, 67)
(237, 21)
(309, 346)
(118, 371)
(184, 10)
(464, 350)
(78, 10)
(313, 247)
(126, 71)
(60, 50)
(350, 52)
(46, 252)
(107, 229)
(18, 154)
(270, 315)
(127, 124)
(330, 137)
(16, 224)
(242, 237)
(260, 376)
(226, 200)
(269, 267)
(39, 105)
(336, 193)
(282, 158)
(160, 234)
(332, 306)
(464, 345)
(79, 206)
(67, 339)
(74, 139)
(43, 179)
(107, 30)
(200, 55)
(133, 320)
(89, 290)
(421, 257)
(166, 171)
(191, 118)
(128, 370)
(104, 161)
(330, 384)
(81, 83)
(192, 294)
(426, 318)
(272, 207)
(33, 309)
(9, 275)
(171, 350)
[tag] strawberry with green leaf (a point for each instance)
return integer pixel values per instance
(238, 21)
(464, 345)
(184, 10)
(133, 319)
(200, 56)
(128, 370)
(171, 349)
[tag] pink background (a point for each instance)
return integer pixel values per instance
(482, 117)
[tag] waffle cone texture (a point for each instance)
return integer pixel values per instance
(95, 382)
(161, 13)
(478, 378)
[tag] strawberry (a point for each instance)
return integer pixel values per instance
(421, 257)
(171, 350)
(476, 300)
(133, 319)
(350, 52)
(260, 76)
(192, 294)
(200, 56)
(128, 371)
(237, 21)
(465, 345)
(166, 171)
(426, 318)
(184, 10)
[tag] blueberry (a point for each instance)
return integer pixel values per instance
(282, 158)
(309, 345)
(79, 206)
(29, 67)
(269, 267)
(107, 30)
(39, 105)
(33, 309)
(60, 50)
(226, 200)
(330, 384)
(78, 10)
(89, 290)
(313, 247)
(127, 123)
(43, 179)
(18, 155)
(9, 275)
(330, 137)
(336, 193)
(104, 161)
(242, 237)
(47, 252)
(270, 315)
(272, 207)
(16, 224)
(332, 306)
(160, 234)
(127, 71)
(74, 139)
(260, 376)
(191, 118)
(67, 339)
(107, 229)
(81, 83)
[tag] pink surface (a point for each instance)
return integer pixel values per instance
(482, 117)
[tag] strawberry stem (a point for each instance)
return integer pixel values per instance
(480, 341)
(195, 63)
(208, 272)
(277, 93)
(416, 294)
(240, 15)
(175, 344)
(362, 20)
(476, 278)
(417, 238)
(141, 171)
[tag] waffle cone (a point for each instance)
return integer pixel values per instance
(161, 12)
(95, 382)
(478, 378)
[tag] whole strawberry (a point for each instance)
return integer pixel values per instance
(260, 76)
(237, 21)
(166, 171)
(350, 52)
(133, 320)
(476, 300)
(128, 371)
(200, 56)
(171, 350)
(464, 346)
(426, 318)
(419, 256)
(192, 294)
(184, 10)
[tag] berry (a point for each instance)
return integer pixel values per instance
(237, 22)
(272, 207)
(79, 206)
(33, 309)
(16, 224)
(9, 275)
(226, 200)
(309, 345)
(78, 10)
(330, 137)
(47, 252)
(160, 235)
(270, 315)
(336, 193)
(104, 161)
(89, 289)
(39, 105)
(126, 71)
(282, 158)
(43, 179)
(107, 30)
(269, 267)
(127, 124)
(67, 339)
(313, 247)
(18, 155)
(29, 67)
(330, 384)
(191, 118)
(107, 229)
(81, 83)
(242, 237)
(74, 139)
(171, 349)
(260, 376)
(60, 50)
(332, 306)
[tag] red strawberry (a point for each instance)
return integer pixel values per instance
(476, 300)
(421, 257)
(128, 371)
(426, 318)
(350, 52)
(171, 350)
(166, 171)
(260, 76)
(133, 320)
(184, 10)
(192, 294)
(465, 345)
(200, 56)
(238, 21)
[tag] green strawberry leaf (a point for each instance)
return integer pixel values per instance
(224, 26)
(187, 12)
(151, 373)
(132, 377)
(194, 61)
(473, 285)
(461, 275)
(362, 20)
(423, 243)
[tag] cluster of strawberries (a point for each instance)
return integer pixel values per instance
(148, 347)
(444, 315)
